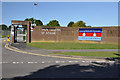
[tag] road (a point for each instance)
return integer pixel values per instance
(18, 65)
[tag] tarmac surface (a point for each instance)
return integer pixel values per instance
(18, 65)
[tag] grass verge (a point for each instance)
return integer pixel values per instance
(91, 54)
(69, 45)
(3, 36)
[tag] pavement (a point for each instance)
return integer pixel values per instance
(21, 64)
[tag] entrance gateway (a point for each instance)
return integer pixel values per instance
(20, 34)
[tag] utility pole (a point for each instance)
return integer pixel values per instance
(34, 13)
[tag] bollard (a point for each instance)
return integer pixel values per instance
(8, 40)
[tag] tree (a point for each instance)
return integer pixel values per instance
(79, 24)
(89, 26)
(26, 19)
(30, 19)
(38, 23)
(53, 23)
(10, 27)
(70, 24)
(4, 27)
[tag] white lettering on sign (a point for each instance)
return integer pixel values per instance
(55, 30)
(44, 29)
(51, 33)
(42, 33)
(51, 29)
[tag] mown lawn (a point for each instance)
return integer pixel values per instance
(70, 45)
(91, 54)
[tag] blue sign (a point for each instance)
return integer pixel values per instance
(93, 34)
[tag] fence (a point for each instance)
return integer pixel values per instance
(4, 33)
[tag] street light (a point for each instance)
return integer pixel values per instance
(34, 12)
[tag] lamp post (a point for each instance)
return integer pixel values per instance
(34, 12)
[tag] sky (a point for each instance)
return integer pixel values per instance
(92, 13)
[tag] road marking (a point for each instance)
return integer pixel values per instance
(6, 46)
(43, 62)
(57, 62)
(70, 61)
(3, 62)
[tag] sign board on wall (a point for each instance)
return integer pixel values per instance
(12, 30)
(93, 34)
(31, 28)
